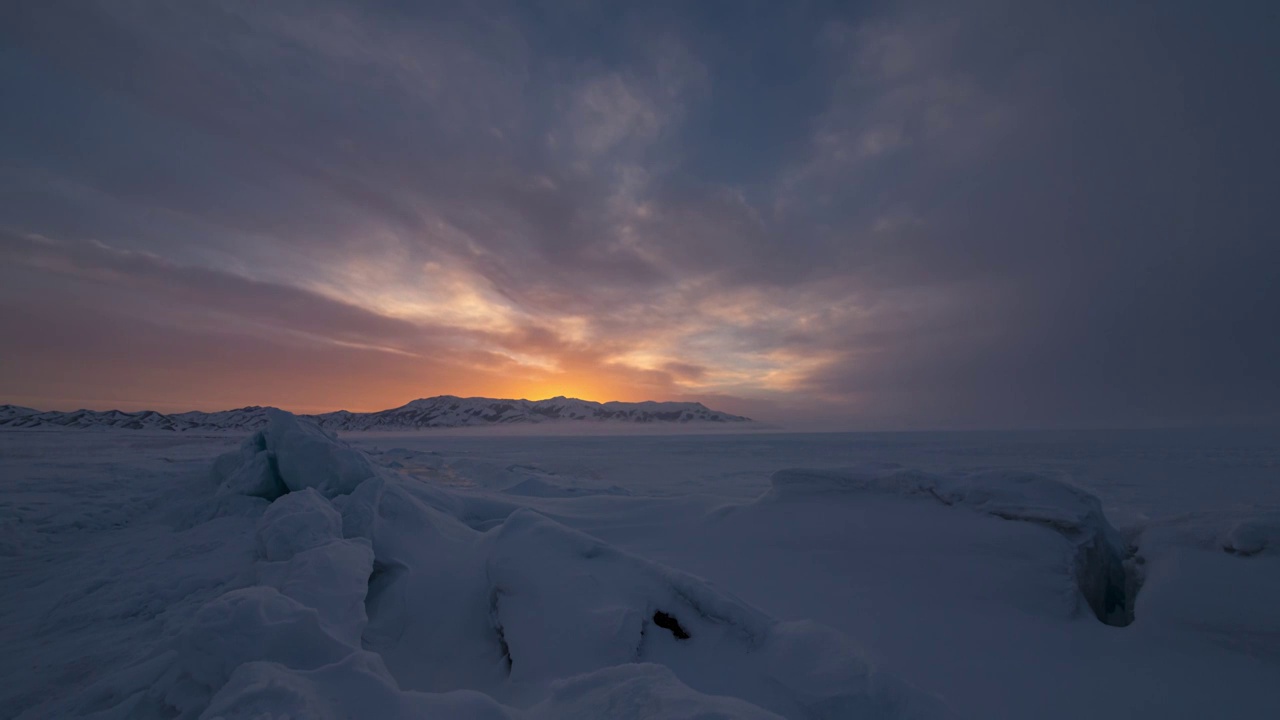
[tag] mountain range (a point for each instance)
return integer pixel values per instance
(444, 411)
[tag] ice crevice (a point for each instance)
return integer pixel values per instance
(668, 622)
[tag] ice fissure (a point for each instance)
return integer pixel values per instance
(495, 598)
(668, 622)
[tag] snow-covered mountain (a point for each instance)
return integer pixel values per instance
(437, 412)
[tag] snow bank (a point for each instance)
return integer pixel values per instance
(382, 596)
(1100, 558)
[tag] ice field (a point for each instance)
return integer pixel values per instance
(452, 574)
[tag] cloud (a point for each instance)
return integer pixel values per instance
(925, 214)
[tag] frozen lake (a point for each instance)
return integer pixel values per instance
(938, 575)
(1137, 473)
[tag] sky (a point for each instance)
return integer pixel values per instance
(870, 215)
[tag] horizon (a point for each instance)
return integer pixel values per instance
(121, 408)
(883, 215)
(816, 425)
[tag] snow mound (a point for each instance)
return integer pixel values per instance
(1102, 570)
(1254, 535)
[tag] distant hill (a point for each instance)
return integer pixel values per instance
(445, 411)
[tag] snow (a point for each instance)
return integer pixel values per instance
(293, 574)
(10, 412)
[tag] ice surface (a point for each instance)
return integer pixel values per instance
(1106, 582)
(673, 577)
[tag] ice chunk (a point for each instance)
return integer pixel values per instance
(289, 455)
(250, 624)
(308, 457)
(296, 522)
(333, 579)
(567, 604)
(227, 463)
(257, 477)
(428, 601)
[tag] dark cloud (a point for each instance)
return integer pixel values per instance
(685, 371)
(918, 214)
(162, 288)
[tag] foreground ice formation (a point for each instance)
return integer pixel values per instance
(373, 595)
(1100, 557)
(503, 577)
